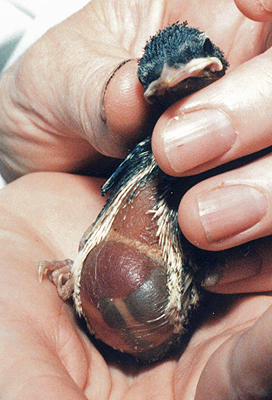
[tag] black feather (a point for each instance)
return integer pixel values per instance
(176, 45)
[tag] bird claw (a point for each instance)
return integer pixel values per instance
(59, 272)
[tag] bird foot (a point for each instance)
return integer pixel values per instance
(60, 273)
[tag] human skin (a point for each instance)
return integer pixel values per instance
(73, 121)
(46, 354)
(57, 126)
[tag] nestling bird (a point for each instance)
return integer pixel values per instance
(136, 279)
(178, 61)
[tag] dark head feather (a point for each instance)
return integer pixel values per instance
(175, 46)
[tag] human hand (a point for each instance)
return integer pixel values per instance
(224, 122)
(59, 126)
(51, 105)
(43, 349)
(54, 114)
(67, 123)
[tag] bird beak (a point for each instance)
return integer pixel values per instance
(171, 76)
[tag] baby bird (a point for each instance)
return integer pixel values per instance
(178, 61)
(136, 279)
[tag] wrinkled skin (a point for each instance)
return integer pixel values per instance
(66, 119)
(44, 353)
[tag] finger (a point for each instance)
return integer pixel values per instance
(246, 269)
(227, 120)
(241, 367)
(127, 115)
(257, 10)
(229, 209)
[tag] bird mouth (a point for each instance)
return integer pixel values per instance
(170, 76)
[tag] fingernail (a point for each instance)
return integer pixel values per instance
(227, 211)
(197, 137)
(238, 267)
(267, 5)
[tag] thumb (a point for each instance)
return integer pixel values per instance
(127, 115)
(53, 115)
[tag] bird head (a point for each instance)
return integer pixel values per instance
(178, 61)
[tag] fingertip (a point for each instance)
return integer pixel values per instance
(256, 10)
(158, 151)
(190, 222)
(186, 143)
(158, 141)
(126, 111)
